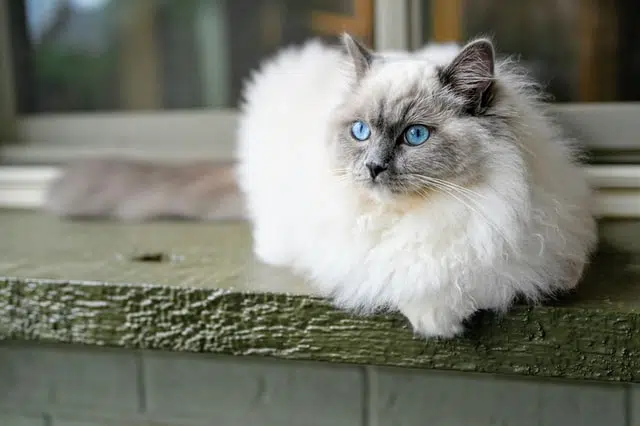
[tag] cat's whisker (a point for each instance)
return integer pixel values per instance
(450, 191)
(342, 175)
(429, 179)
(468, 195)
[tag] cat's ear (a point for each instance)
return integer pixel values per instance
(359, 54)
(471, 75)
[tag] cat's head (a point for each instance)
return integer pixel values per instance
(411, 123)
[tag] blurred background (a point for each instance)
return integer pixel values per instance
(105, 55)
(160, 79)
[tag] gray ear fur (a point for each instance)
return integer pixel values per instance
(360, 55)
(471, 75)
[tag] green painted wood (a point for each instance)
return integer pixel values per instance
(196, 287)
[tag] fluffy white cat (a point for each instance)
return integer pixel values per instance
(430, 182)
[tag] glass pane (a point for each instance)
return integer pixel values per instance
(105, 55)
(582, 50)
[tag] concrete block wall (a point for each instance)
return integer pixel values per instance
(76, 386)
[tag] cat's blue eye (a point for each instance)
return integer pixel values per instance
(416, 134)
(360, 130)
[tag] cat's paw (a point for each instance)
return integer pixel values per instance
(429, 322)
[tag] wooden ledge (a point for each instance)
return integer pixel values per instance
(195, 287)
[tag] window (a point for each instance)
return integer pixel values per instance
(152, 78)
(582, 51)
(148, 55)
(584, 54)
(160, 79)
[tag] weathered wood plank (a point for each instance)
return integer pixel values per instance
(198, 289)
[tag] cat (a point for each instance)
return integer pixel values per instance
(135, 190)
(430, 183)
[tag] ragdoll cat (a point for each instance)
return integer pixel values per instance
(132, 190)
(430, 182)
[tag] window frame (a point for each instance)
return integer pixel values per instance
(51, 139)
(60, 137)
(7, 97)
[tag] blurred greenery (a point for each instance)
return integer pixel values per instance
(77, 57)
(75, 79)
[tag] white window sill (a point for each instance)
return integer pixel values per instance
(617, 188)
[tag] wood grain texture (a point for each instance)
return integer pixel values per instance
(63, 283)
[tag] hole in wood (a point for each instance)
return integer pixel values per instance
(151, 257)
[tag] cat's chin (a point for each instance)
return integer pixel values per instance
(381, 194)
(393, 199)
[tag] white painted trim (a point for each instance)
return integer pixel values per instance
(391, 29)
(416, 24)
(191, 134)
(25, 187)
(601, 126)
(616, 204)
(614, 177)
(158, 135)
(617, 188)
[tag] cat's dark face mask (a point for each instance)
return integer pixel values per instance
(424, 133)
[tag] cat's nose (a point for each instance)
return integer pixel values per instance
(376, 168)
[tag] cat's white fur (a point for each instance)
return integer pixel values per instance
(438, 260)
